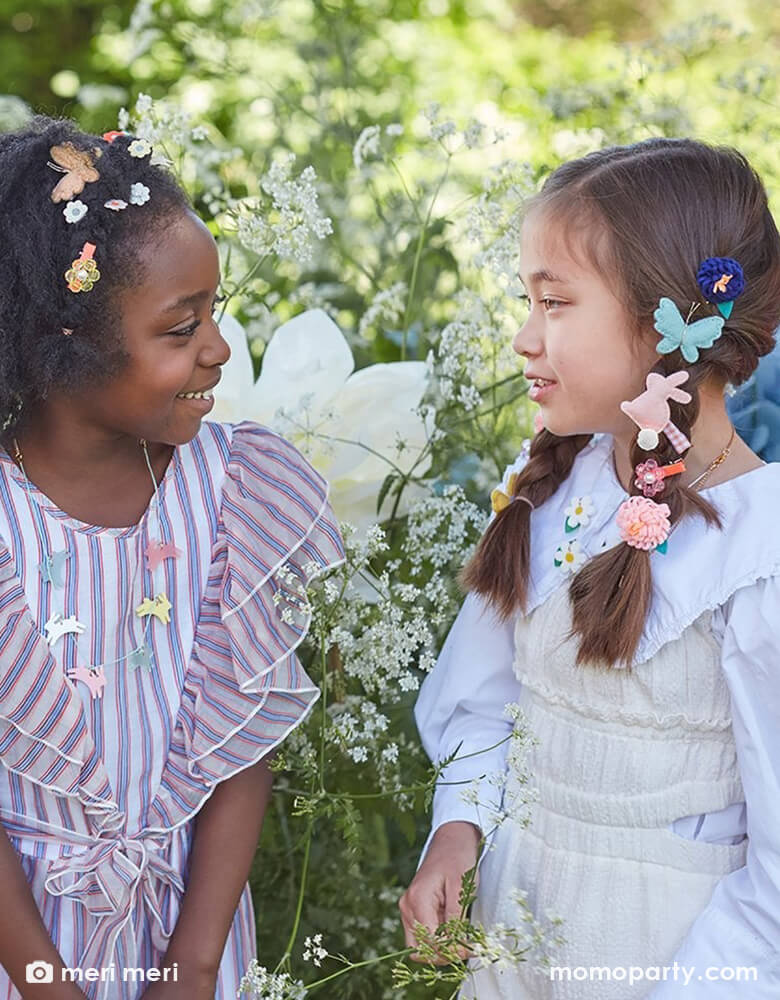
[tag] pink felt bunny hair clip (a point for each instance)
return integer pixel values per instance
(650, 410)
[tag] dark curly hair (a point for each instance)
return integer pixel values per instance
(39, 247)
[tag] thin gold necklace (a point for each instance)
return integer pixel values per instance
(718, 461)
(159, 606)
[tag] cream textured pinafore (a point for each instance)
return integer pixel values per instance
(621, 755)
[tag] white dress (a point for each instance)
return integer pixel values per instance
(648, 779)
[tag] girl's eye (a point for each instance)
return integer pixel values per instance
(188, 331)
(549, 304)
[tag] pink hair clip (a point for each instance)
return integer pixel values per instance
(650, 475)
(650, 410)
(643, 523)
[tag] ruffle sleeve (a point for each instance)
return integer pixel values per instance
(245, 689)
(43, 733)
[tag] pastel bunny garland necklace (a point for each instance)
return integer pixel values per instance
(158, 606)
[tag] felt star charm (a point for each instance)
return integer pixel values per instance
(57, 626)
(156, 551)
(52, 566)
(141, 657)
(158, 606)
(93, 677)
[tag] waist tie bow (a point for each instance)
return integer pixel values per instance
(108, 878)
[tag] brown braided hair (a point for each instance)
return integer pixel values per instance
(651, 213)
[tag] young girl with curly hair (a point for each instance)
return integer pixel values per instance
(147, 663)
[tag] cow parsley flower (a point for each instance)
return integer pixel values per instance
(295, 221)
(260, 984)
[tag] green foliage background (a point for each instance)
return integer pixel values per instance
(564, 76)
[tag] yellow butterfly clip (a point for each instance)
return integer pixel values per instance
(78, 167)
(500, 500)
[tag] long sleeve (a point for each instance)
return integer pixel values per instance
(740, 926)
(461, 702)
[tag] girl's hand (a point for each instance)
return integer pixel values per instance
(433, 894)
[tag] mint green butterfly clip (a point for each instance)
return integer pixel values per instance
(677, 332)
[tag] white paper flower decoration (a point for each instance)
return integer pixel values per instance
(347, 423)
(74, 211)
(139, 148)
(139, 194)
(569, 557)
(115, 204)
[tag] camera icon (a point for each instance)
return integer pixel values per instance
(39, 972)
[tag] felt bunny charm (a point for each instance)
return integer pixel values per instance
(650, 410)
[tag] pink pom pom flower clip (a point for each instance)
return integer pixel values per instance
(643, 523)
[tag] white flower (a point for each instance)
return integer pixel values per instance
(313, 950)
(355, 427)
(579, 511)
(260, 984)
(472, 136)
(290, 228)
(115, 204)
(569, 556)
(139, 147)
(74, 211)
(387, 307)
(367, 145)
(143, 105)
(139, 194)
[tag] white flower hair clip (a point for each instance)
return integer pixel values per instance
(75, 211)
(139, 148)
(139, 194)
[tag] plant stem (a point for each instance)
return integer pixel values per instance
(418, 256)
(358, 965)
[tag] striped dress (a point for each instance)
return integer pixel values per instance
(98, 792)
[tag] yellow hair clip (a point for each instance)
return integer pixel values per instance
(500, 500)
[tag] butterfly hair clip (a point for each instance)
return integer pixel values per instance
(680, 334)
(77, 165)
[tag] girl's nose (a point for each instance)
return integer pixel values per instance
(218, 349)
(521, 342)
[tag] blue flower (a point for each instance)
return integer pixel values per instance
(720, 279)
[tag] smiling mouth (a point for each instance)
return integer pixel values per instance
(195, 395)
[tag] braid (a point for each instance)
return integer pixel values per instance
(610, 596)
(644, 216)
(500, 568)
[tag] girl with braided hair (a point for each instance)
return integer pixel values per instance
(147, 645)
(626, 595)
